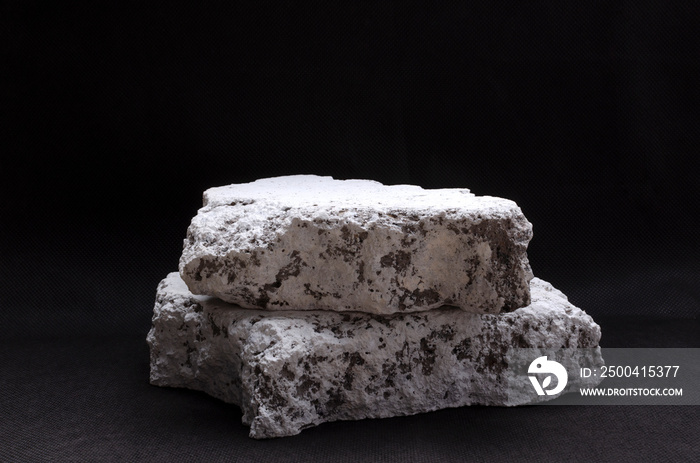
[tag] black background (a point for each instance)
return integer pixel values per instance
(117, 117)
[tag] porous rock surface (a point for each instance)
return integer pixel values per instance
(314, 243)
(292, 370)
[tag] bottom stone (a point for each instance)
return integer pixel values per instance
(292, 370)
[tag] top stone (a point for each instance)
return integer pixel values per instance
(305, 242)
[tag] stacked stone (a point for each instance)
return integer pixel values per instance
(304, 299)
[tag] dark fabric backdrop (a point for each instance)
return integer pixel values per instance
(117, 116)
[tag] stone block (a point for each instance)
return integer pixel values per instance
(294, 369)
(314, 243)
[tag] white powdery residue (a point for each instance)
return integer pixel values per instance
(326, 192)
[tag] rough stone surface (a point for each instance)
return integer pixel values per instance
(292, 370)
(314, 243)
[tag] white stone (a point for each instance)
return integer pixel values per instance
(292, 370)
(314, 243)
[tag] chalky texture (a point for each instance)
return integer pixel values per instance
(314, 243)
(292, 370)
